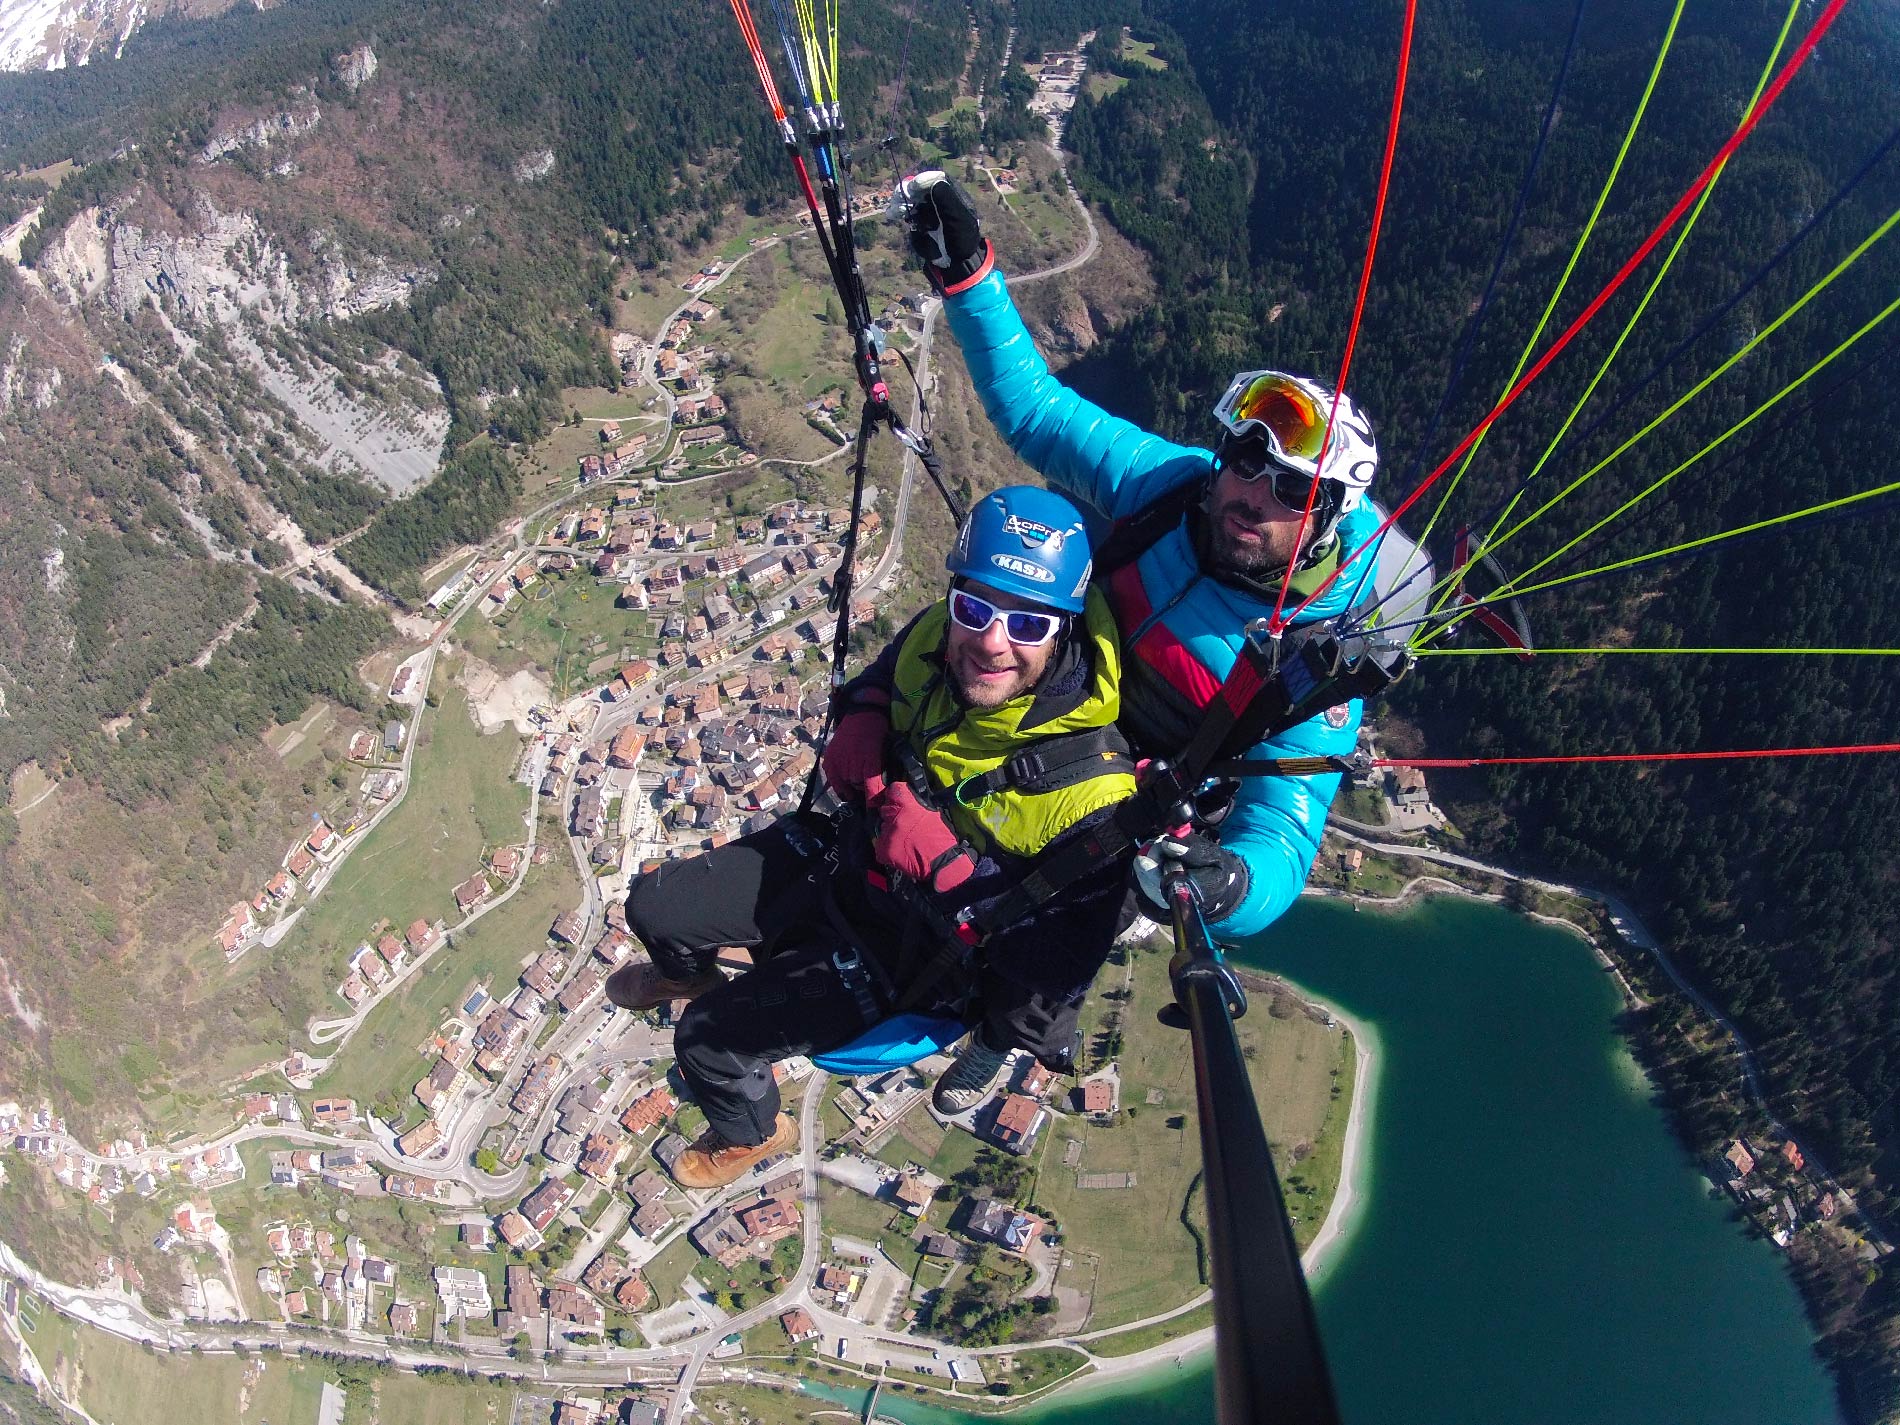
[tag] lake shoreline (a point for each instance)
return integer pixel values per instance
(1155, 1363)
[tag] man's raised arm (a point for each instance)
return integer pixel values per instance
(1103, 460)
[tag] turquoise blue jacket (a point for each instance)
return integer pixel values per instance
(1181, 628)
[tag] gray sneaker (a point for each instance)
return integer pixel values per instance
(968, 1082)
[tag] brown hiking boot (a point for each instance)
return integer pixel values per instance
(712, 1162)
(643, 986)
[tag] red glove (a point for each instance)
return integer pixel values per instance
(915, 841)
(854, 753)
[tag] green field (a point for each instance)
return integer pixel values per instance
(967, 103)
(1126, 1343)
(118, 1383)
(1046, 216)
(856, 1215)
(1292, 1061)
(442, 1400)
(1142, 52)
(1365, 804)
(556, 456)
(1037, 1368)
(461, 802)
(783, 344)
(558, 628)
(667, 1273)
(382, 1058)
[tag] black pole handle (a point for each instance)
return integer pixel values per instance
(1269, 1364)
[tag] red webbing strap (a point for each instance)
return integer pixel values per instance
(1726, 755)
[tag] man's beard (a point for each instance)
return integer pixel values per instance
(1230, 555)
(986, 696)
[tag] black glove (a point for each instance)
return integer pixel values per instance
(1218, 874)
(944, 231)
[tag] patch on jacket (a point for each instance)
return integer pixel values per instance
(1337, 715)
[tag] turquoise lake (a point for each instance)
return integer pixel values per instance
(1532, 1245)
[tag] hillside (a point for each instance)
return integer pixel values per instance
(292, 296)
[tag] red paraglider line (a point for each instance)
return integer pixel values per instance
(1276, 623)
(1723, 756)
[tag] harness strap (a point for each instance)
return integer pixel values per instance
(1050, 874)
(1313, 766)
(1050, 764)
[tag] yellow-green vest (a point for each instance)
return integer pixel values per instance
(955, 742)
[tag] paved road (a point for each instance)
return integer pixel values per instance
(795, 1290)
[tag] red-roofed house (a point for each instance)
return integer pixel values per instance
(1018, 1122)
(471, 892)
(634, 1294)
(649, 1110)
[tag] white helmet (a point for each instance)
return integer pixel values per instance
(1287, 415)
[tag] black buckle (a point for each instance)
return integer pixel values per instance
(1024, 767)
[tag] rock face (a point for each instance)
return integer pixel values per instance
(24, 384)
(77, 262)
(1070, 328)
(354, 68)
(534, 166)
(52, 34)
(228, 265)
(299, 117)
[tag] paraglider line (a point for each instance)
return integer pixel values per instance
(1570, 266)
(1581, 757)
(1473, 326)
(1276, 623)
(1669, 220)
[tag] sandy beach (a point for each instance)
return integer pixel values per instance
(1363, 1090)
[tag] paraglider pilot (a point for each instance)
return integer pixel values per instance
(1202, 541)
(981, 737)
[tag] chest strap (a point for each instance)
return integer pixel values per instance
(1049, 764)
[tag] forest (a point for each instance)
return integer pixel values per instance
(1771, 880)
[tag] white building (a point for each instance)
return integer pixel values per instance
(464, 1292)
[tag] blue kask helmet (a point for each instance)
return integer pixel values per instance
(1025, 540)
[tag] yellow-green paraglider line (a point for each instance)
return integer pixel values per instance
(1845, 263)
(1768, 69)
(1515, 589)
(1489, 651)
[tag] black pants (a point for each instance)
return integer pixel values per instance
(767, 892)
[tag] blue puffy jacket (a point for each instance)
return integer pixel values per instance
(1182, 628)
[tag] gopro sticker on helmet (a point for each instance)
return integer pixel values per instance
(1033, 533)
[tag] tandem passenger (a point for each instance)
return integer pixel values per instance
(854, 919)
